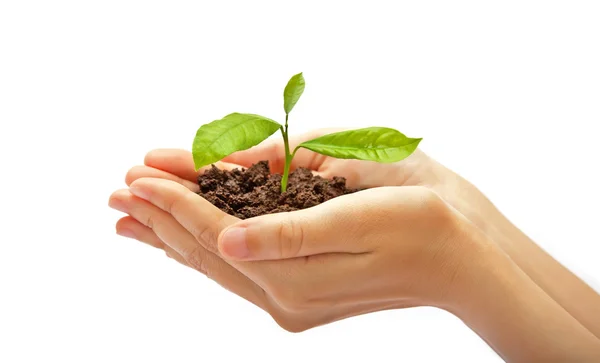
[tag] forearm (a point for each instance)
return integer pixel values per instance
(574, 295)
(515, 316)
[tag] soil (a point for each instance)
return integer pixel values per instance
(246, 193)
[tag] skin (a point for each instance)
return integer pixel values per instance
(437, 241)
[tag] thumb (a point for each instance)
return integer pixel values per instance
(317, 230)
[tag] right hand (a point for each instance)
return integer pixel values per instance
(416, 170)
(410, 249)
(572, 294)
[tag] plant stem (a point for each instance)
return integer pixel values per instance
(288, 156)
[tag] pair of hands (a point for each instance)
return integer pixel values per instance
(398, 245)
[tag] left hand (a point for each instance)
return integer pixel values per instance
(377, 249)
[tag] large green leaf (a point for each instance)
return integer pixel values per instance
(292, 92)
(379, 144)
(234, 132)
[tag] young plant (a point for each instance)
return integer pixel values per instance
(241, 131)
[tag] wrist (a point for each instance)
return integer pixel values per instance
(470, 255)
(497, 300)
(483, 267)
(447, 273)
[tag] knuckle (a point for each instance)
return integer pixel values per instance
(149, 221)
(433, 203)
(442, 210)
(206, 236)
(170, 205)
(290, 235)
(440, 213)
(426, 194)
(196, 258)
(177, 203)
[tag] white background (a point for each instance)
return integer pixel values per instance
(505, 93)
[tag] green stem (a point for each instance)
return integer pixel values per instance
(288, 156)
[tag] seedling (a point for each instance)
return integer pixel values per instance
(241, 131)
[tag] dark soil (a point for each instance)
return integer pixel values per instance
(255, 191)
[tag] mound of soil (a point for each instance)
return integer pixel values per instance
(246, 193)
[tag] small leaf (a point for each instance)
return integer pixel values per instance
(379, 144)
(234, 132)
(292, 92)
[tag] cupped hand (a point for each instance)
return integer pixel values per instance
(417, 170)
(373, 250)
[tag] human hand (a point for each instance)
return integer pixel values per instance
(359, 266)
(405, 252)
(417, 170)
(420, 170)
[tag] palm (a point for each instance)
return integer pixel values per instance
(177, 166)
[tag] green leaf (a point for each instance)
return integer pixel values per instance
(292, 92)
(234, 132)
(379, 144)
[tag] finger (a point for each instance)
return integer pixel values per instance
(319, 277)
(291, 278)
(143, 171)
(129, 227)
(180, 163)
(203, 220)
(171, 253)
(272, 150)
(158, 220)
(331, 227)
(184, 244)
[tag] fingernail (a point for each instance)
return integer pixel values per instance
(139, 192)
(118, 205)
(126, 233)
(233, 243)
